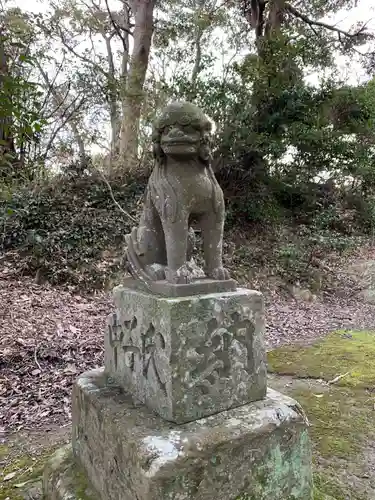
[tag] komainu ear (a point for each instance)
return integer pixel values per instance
(205, 149)
(157, 151)
(205, 153)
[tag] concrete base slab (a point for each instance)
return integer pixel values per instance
(259, 451)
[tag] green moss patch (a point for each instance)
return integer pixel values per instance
(350, 355)
(341, 413)
(341, 420)
(327, 489)
(19, 473)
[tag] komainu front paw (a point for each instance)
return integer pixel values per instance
(181, 276)
(219, 273)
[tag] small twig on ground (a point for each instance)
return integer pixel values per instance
(339, 377)
(36, 359)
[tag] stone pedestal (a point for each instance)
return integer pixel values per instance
(181, 410)
(258, 451)
(188, 357)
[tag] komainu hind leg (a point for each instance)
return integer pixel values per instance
(146, 253)
(212, 227)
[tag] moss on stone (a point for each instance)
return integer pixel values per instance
(4, 451)
(63, 475)
(341, 414)
(318, 495)
(351, 353)
(252, 497)
(83, 490)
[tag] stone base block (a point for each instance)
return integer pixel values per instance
(189, 357)
(260, 451)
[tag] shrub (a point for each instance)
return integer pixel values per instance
(61, 230)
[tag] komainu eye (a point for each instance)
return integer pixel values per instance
(184, 120)
(196, 124)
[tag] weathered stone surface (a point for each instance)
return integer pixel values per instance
(63, 478)
(197, 286)
(259, 451)
(187, 358)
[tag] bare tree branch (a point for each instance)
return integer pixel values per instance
(311, 22)
(60, 101)
(118, 28)
(50, 84)
(114, 199)
(61, 36)
(61, 126)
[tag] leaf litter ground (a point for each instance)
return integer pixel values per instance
(48, 336)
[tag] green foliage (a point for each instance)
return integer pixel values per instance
(21, 124)
(275, 133)
(62, 230)
(279, 138)
(298, 259)
(20, 100)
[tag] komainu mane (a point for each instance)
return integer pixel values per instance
(182, 186)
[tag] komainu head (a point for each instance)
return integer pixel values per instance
(182, 131)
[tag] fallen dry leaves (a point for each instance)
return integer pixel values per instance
(289, 321)
(47, 337)
(341, 305)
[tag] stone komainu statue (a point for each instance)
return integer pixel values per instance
(182, 185)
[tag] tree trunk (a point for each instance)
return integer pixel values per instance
(133, 99)
(198, 48)
(266, 19)
(112, 98)
(7, 148)
(124, 68)
(198, 59)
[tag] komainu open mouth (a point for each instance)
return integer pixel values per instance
(179, 142)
